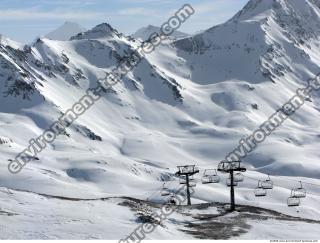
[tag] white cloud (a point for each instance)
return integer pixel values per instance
(59, 14)
(32, 14)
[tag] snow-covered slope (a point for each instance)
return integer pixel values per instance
(145, 32)
(65, 31)
(189, 102)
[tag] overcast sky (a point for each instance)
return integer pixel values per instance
(24, 20)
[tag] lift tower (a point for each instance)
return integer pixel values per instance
(231, 167)
(185, 172)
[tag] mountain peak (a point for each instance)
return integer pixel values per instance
(65, 31)
(254, 7)
(300, 19)
(105, 27)
(261, 9)
(100, 31)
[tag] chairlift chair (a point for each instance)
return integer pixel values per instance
(260, 191)
(210, 176)
(293, 201)
(228, 182)
(210, 179)
(299, 192)
(206, 180)
(165, 190)
(238, 177)
(267, 184)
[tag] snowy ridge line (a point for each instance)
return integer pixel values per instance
(88, 199)
(70, 198)
(63, 197)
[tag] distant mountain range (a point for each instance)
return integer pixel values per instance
(69, 29)
(64, 32)
(145, 33)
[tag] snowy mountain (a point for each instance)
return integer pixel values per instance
(64, 32)
(8, 42)
(189, 102)
(145, 32)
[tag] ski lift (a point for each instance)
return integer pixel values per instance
(293, 201)
(238, 177)
(260, 191)
(210, 176)
(165, 190)
(267, 184)
(228, 182)
(299, 192)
